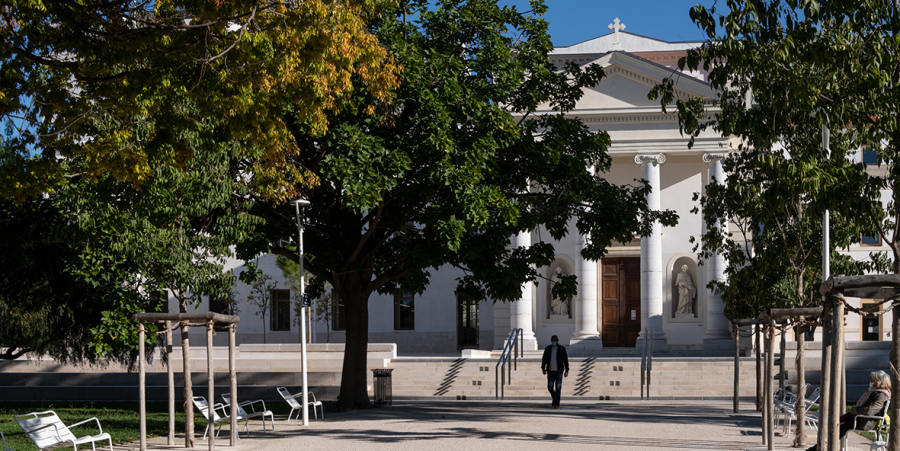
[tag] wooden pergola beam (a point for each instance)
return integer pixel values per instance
(776, 313)
(199, 317)
(842, 283)
(756, 321)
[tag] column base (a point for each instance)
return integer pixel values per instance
(718, 344)
(584, 346)
(528, 344)
(659, 344)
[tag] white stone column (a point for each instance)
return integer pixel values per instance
(718, 331)
(520, 310)
(587, 336)
(651, 258)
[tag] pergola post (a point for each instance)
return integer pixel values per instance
(142, 383)
(737, 366)
(837, 356)
(770, 375)
(211, 386)
(825, 385)
(171, 378)
(759, 375)
(232, 377)
(781, 360)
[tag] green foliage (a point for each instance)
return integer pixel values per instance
(153, 71)
(59, 296)
(322, 306)
(474, 148)
(261, 295)
(836, 59)
(177, 229)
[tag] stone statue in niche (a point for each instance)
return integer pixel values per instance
(558, 306)
(686, 291)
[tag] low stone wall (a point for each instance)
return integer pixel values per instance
(260, 368)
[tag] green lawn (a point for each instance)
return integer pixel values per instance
(120, 420)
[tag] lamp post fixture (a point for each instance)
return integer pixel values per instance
(305, 390)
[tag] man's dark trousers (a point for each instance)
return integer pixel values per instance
(554, 385)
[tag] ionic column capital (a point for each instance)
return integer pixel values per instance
(710, 156)
(658, 157)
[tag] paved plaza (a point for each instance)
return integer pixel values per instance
(485, 426)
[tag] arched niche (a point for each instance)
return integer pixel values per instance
(675, 269)
(561, 311)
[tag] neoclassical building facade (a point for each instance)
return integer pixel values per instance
(652, 288)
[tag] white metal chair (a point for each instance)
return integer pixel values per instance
(787, 413)
(880, 425)
(217, 415)
(253, 413)
(4, 443)
(47, 431)
(295, 405)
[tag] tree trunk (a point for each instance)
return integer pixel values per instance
(800, 407)
(355, 293)
(186, 376)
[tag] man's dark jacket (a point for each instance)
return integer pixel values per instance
(562, 359)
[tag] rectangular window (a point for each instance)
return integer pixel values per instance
(281, 310)
(217, 305)
(466, 322)
(404, 311)
(339, 313)
(870, 240)
(871, 325)
(869, 156)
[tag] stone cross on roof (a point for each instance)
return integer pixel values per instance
(616, 27)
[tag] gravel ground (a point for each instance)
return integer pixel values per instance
(520, 426)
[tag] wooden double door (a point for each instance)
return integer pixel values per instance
(621, 301)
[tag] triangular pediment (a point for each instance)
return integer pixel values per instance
(629, 79)
(628, 42)
(617, 91)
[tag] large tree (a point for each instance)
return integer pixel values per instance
(836, 59)
(474, 148)
(177, 230)
(154, 69)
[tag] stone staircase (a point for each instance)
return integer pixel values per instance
(590, 378)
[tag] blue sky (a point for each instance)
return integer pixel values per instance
(574, 21)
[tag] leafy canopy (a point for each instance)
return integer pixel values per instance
(121, 86)
(474, 147)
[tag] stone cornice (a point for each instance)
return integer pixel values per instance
(710, 156)
(658, 157)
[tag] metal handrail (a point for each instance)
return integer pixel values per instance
(646, 361)
(513, 345)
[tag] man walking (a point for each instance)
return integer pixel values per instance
(555, 364)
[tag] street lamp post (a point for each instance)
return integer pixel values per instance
(305, 390)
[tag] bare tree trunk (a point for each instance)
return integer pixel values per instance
(354, 394)
(800, 407)
(186, 376)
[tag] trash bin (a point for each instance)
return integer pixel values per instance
(382, 389)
